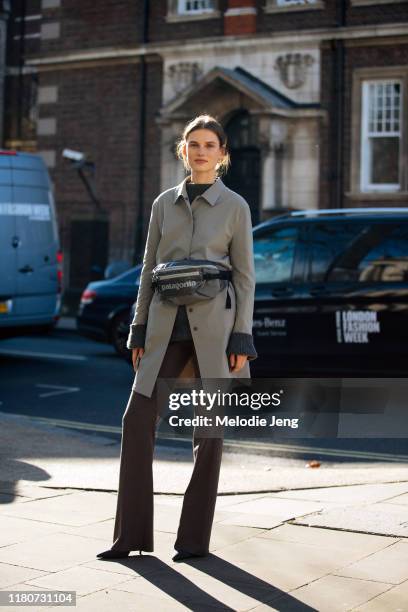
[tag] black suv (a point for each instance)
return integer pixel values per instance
(332, 293)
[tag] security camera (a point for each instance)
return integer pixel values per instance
(73, 155)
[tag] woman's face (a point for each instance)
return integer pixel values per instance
(203, 150)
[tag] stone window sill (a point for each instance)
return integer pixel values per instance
(176, 17)
(371, 2)
(273, 8)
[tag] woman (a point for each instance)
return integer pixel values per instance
(198, 219)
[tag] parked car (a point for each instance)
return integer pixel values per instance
(104, 309)
(30, 255)
(332, 293)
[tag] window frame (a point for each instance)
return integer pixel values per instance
(365, 184)
(354, 191)
(184, 11)
(174, 14)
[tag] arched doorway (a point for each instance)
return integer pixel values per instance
(243, 175)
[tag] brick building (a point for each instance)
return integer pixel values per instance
(311, 94)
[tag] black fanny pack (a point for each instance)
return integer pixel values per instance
(187, 281)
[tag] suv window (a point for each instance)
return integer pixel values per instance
(362, 252)
(274, 254)
(386, 258)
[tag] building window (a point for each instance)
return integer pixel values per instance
(381, 135)
(192, 10)
(188, 7)
(278, 5)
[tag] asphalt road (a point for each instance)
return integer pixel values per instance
(64, 377)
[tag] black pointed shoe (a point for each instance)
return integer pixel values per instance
(113, 554)
(184, 554)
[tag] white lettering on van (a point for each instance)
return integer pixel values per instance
(355, 326)
(36, 212)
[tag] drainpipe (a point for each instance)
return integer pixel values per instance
(138, 250)
(5, 12)
(337, 156)
(21, 60)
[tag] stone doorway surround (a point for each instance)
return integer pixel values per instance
(287, 131)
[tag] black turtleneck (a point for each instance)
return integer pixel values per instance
(196, 189)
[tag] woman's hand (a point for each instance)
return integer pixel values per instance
(137, 353)
(237, 362)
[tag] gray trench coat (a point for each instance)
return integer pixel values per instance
(216, 226)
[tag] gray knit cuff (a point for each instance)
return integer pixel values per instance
(242, 344)
(136, 337)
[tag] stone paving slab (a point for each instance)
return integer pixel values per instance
(24, 492)
(380, 519)
(262, 521)
(102, 530)
(86, 580)
(15, 530)
(23, 587)
(395, 492)
(330, 593)
(387, 565)
(399, 500)
(13, 574)
(276, 507)
(108, 600)
(76, 509)
(355, 544)
(286, 565)
(395, 598)
(131, 566)
(224, 535)
(176, 501)
(51, 552)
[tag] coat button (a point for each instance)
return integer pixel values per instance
(195, 328)
(190, 310)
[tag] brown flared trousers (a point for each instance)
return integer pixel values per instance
(133, 528)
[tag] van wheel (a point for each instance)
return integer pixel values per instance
(119, 334)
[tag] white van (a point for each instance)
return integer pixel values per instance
(30, 255)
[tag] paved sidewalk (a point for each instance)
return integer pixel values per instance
(326, 539)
